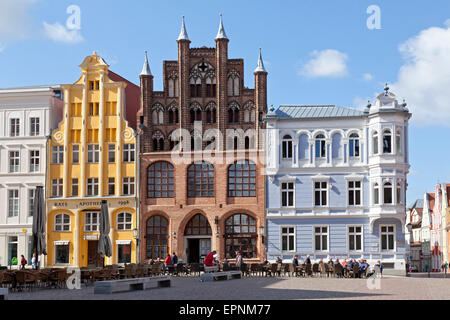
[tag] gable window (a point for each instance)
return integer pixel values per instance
(14, 161)
(287, 238)
(387, 236)
(286, 146)
(200, 180)
(354, 145)
(62, 222)
(387, 193)
(128, 152)
(320, 193)
(242, 179)
(91, 222)
(320, 146)
(34, 127)
(58, 155)
(14, 127)
(34, 161)
(375, 142)
(158, 114)
(321, 238)
(387, 141)
(354, 193)
(211, 87)
(160, 180)
(233, 83)
(355, 238)
(124, 221)
(287, 194)
(13, 202)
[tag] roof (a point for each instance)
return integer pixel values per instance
(40, 88)
(221, 33)
(260, 67)
(416, 204)
(317, 111)
(183, 33)
(431, 197)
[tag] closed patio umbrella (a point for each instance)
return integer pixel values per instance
(104, 243)
(39, 222)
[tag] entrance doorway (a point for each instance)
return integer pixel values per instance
(94, 259)
(197, 249)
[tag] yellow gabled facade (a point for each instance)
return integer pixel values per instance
(91, 157)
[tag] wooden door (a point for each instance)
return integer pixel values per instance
(94, 259)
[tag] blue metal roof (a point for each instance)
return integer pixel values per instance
(319, 111)
(416, 204)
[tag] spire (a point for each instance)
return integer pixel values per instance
(146, 68)
(183, 33)
(260, 67)
(221, 33)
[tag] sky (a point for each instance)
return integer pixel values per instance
(316, 52)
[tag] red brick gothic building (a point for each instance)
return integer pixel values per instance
(214, 198)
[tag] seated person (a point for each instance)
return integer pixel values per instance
(209, 259)
(295, 260)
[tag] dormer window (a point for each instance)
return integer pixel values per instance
(94, 85)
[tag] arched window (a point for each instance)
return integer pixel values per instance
(196, 87)
(161, 144)
(62, 222)
(211, 115)
(200, 180)
(249, 112)
(195, 112)
(387, 193)
(158, 114)
(157, 237)
(197, 226)
(173, 84)
(354, 145)
(242, 179)
(233, 112)
(376, 194)
(211, 87)
(173, 114)
(398, 142)
(241, 236)
(375, 142)
(399, 193)
(387, 141)
(233, 83)
(124, 221)
(160, 180)
(320, 146)
(286, 147)
(158, 141)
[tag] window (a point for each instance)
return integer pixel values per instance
(198, 225)
(124, 253)
(195, 87)
(320, 146)
(399, 193)
(58, 155)
(387, 237)
(31, 193)
(233, 83)
(111, 186)
(211, 87)
(128, 152)
(321, 238)
(93, 154)
(13, 203)
(14, 127)
(158, 114)
(34, 127)
(12, 248)
(14, 161)
(173, 87)
(242, 179)
(376, 194)
(160, 180)
(94, 85)
(354, 238)
(375, 142)
(75, 187)
(62, 254)
(111, 153)
(387, 141)
(354, 145)
(398, 142)
(92, 187)
(57, 188)
(200, 180)
(320, 193)
(75, 154)
(76, 109)
(288, 239)
(211, 115)
(76, 135)
(93, 108)
(124, 221)
(173, 115)
(387, 193)
(62, 222)
(240, 235)
(128, 186)
(354, 193)
(287, 147)
(91, 222)
(287, 194)
(157, 237)
(34, 161)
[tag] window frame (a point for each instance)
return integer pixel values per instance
(62, 224)
(34, 159)
(320, 139)
(321, 234)
(289, 191)
(57, 154)
(287, 146)
(321, 189)
(128, 183)
(354, 145)
(14, 167)
(93, 184)
(251, 186)
(59, 185)
(354, 190)
(192, 192)
(124, 223)
(288, 234)
(35, 127)
(88, 224)
(355, 234)
(129, 152)
(14, 127)
(13, 203)
(167, 173)
(387, 233)
(93, 153)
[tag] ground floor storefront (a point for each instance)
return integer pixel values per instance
(338, 238)
(15, 241)
(73, 231)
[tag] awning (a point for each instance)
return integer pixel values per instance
(123, 241)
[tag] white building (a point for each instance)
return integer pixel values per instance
(27, 116)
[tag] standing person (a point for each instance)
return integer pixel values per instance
(33, 262)
(209, 259)
(445, 268)
(168, 260)
(295, 260)
(23, 262)
(308, 260)
(238, 261)
(174, 258)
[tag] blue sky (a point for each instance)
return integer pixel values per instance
(410, 51)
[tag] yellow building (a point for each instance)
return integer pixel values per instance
(92, 157)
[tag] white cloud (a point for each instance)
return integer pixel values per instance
(14, 20)
(367, 77)
(326, 63)
(424, 78)
(59, 33)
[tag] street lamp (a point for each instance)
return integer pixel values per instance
(136, 235)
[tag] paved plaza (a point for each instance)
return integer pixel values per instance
(418, 286)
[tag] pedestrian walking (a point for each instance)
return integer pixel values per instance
(23, 262)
